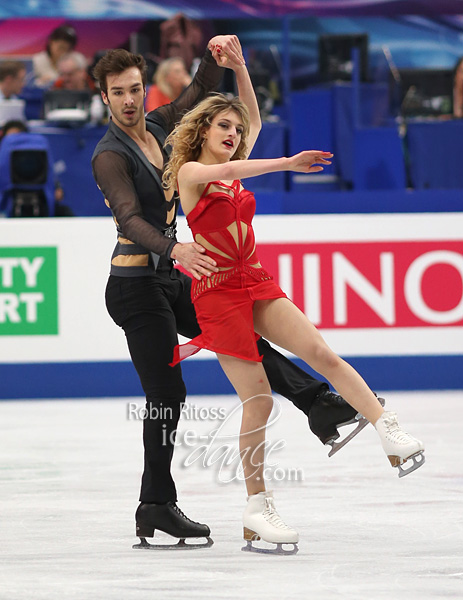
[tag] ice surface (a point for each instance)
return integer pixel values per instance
(69, 481)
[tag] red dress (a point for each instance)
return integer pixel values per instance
(221, 222)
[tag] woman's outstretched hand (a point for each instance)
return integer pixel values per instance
(309, 161)
(226, 50)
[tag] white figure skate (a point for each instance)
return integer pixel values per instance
(261, 521)
(399, 445)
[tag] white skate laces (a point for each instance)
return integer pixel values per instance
(398, 444)
(262, 521)
(272, 517)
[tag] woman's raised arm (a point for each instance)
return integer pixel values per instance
(308, 161)
(245, 91)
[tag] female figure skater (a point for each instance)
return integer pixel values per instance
(241, 301)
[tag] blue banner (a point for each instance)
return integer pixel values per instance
(218, 9)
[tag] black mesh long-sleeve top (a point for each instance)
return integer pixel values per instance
(132, 187)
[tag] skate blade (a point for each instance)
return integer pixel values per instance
(180, 545)
(335, 445)
(279, 550)
(418, 461)
(361, 424)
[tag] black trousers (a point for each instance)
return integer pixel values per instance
(151, 311)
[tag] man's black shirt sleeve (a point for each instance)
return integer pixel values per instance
(112, 172)
(207, 79)
(114, 180)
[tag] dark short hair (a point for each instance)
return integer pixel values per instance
(115, 62)
(13, 124)
(11, 68)
(66, 33)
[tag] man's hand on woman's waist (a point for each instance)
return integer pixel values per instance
(192, 258)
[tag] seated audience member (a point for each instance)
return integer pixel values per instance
(13, 126)
(73, 74)
(61, 41)
(183, 38)
(12, 77)
(28, 141)
(74, 77)
(169, 81)
(458, 90)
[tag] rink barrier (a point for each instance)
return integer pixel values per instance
(385, 290)
(205, 377)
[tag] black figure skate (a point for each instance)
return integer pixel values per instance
(328, 413)
(171, 520)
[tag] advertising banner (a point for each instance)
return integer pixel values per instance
(29, 292)
(378, 287)
(373, 284)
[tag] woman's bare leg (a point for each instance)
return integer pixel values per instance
(252, 386)
(282, 323)
(260, 518)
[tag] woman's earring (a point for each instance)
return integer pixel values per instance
(204, 141)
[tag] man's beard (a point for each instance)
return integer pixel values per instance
(119, 117)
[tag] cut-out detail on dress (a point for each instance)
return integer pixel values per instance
(224, 301)
(208, 283)
(206, 244)
(221, 222)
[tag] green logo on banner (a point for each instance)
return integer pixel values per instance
(28, 291)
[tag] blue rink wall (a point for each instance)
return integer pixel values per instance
(205, 377)
(385, 290)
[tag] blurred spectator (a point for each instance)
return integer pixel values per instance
(61, 41)
(182, 38)
(12, 77)
(73, 74)
(458, 90)
(170, 79)
(19, 128)
(12, 127)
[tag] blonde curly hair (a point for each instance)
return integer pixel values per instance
(188, 136)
